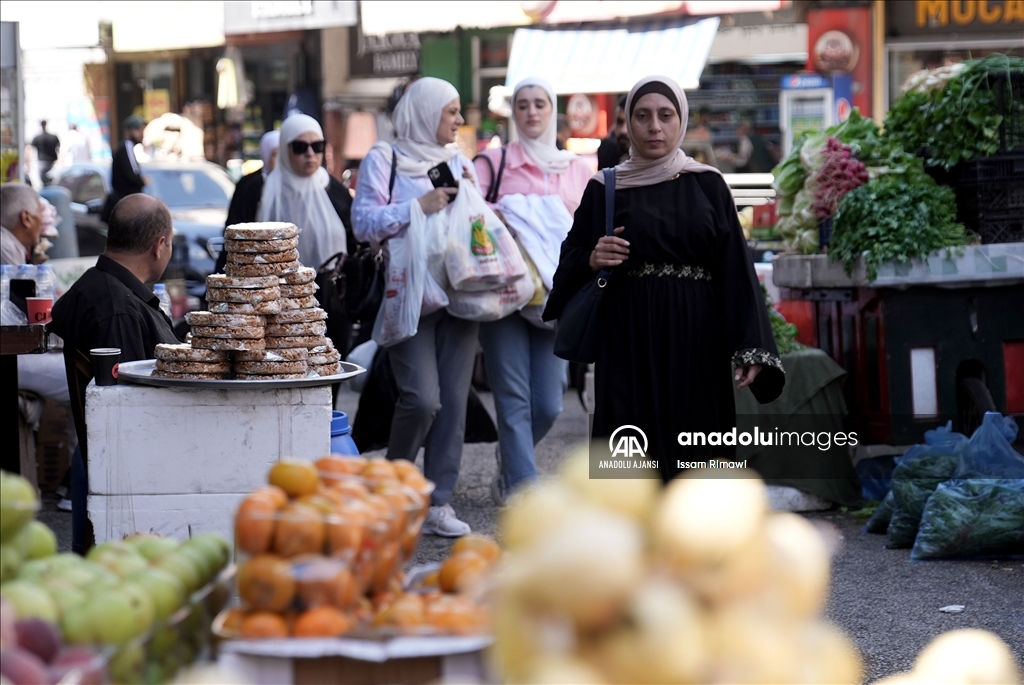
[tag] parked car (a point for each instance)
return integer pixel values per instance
(197, 193)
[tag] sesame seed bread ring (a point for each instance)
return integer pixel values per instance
(228, 344)
(270, 377)
(191, 376)
(300, 290)
(240, 332)
(262, 257)
(304, 328)
(263, 368)
(298, 316)
(284, 342)
(261, 245)
(229, 320)
(267, 230)
(184, 352)
(246, 295)
(259, 309)
(292, 354)
(257, 269)
(223, 281)
(324, 357)
(325, 369)
(298, 275)
(193, 367)
(289, 303)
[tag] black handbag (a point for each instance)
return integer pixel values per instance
(577, 333)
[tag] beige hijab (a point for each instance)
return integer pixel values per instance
(639, 171)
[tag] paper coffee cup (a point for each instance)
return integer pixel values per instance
(104, 364)
(38, 309)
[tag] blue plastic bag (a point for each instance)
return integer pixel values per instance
(990, 453)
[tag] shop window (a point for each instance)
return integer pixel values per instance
(490, 64)
(905, 61)
(923, 382)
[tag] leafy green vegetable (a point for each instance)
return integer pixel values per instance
(960, 120)
(898, 216)
(783, 331)
(972, 517)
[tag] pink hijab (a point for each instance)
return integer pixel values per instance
(639, 171)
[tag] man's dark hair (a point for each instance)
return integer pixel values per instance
(622, 102)
(42, 123)
(134, 229)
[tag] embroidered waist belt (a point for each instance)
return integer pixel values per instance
(697, 273)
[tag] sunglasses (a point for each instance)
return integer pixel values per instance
(299, 147)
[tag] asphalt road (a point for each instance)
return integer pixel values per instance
(886, 603)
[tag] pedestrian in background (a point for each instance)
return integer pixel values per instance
(75, 148)
(300, 191)
(615, 147)
(47, 148)
(526, 377)
(432, 369)
(563, 132)
(21, 223)
(682, 305)
(125, 173)
(245, 201)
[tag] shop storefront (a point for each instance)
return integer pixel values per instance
(924, 34)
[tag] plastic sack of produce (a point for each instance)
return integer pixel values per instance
(491, 305)
(981, 511)
(399, 315)
(915, 478)
(879, 521)
(481, 254)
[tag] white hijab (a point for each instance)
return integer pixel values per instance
(416, 118)
(541, 150)
(270, 141)
(302, 200)
(639, 171)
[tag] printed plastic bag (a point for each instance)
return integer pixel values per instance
(399, 315)
(481, 253)
(491, 305)
(915, 478)
(973, 517)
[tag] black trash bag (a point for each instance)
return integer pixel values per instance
(372, 426)
(879, 521)
(915, 478)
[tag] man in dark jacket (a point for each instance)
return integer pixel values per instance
(615, 147)
(125, 174)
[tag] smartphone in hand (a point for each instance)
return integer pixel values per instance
(441, 176)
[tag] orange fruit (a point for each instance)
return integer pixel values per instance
(296, 478)
(231, 621)
(322, 622)
(454, 615)
(334, 468)
(385, 567)
(322, 503)
(431, 580)
(461, 571)
(480, 544)
(407, 611)
(263, 625)
(322, 581)
(278, 496)
(266, 582)
(385, 513)
(299, 530)
(254, 524)
(405, 469)
(379, 470)
(345, 531)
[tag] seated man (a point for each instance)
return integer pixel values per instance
(111, 306)
(21, 222)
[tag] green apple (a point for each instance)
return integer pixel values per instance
(152, 547)
(36, 569)
(118, 557)
(142, 604)
(77, 625)
(36, 541)
(184, 567)
(112, 614)
(163, 641)
(164, 588)
(29, 600)
(10, 562)
(64, 595)
(215, 546)
(127, 665)
(201, 559)
(18, 504)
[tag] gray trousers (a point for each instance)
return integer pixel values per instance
(433, 371)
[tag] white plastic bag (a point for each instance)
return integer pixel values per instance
(435, 239)
(491, 305)
(481, 253)
(399, 315)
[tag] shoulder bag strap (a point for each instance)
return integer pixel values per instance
(609, 218)
(492, 194)
(394, 170)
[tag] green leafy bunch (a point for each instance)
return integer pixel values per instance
(783, 331)
(957, 117)
(897, 216)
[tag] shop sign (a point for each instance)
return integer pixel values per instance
(581, 110)
(286, 15)
(835, 51)
(392, 54)
(924, 17)
(156, 103)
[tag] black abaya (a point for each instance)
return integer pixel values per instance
(676, 316)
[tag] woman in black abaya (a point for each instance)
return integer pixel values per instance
(683, 316)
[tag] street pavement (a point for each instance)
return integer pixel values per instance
(886, 603)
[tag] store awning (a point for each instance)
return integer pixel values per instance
(611, 60)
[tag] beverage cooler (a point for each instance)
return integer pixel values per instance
(811, 102)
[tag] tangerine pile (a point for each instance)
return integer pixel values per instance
(320, 540)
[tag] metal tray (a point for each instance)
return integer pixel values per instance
(140, 373)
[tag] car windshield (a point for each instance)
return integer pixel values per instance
(188, 188)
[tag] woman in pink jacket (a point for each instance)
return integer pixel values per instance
(536, 187)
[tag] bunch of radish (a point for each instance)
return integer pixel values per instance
(838, 173)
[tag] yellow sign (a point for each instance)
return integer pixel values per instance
(940, 13)
(155, 103)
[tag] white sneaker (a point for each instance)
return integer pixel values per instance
(443, 521)
(64, 504)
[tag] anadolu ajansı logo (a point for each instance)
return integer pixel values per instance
(627, 444)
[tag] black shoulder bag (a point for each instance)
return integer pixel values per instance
(576, 333)
(492, 194)
(352, 285)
